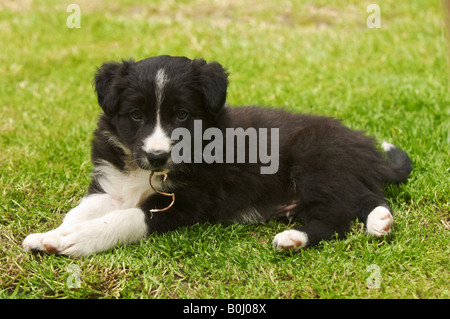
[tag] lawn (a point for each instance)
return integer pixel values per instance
(313, 57)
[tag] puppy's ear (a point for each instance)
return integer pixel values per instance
(213, 79)
(109, 81)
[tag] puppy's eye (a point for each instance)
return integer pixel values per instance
(137, 115)
(182, 114)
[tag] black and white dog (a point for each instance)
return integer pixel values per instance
(316, 170)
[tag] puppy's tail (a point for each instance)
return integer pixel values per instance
(399, 162)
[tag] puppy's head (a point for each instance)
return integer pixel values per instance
(146, 100)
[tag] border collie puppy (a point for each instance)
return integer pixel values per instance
(168, 152)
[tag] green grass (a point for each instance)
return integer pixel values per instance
(312, 57)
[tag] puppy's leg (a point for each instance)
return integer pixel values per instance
(323, 219)
(92, 206)
(99, 234)
(323, 224)
(310, 234)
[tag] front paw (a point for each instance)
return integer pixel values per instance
(48, 242)
(33, 243)
(69, 242)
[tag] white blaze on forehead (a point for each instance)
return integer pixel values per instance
(158, 141)
(161, 81)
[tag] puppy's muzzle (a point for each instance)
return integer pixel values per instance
(158, 160)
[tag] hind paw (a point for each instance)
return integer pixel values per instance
(290, 239)
(379, 222)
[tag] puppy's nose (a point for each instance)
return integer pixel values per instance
(157, 159)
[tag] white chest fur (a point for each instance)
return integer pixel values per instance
(127, 189)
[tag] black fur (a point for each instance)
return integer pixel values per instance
(332, 173)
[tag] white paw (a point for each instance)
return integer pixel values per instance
(72, 241)
(91, 236)
(45, 242)
(379, 222)
(290, 239)
(33, 243)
